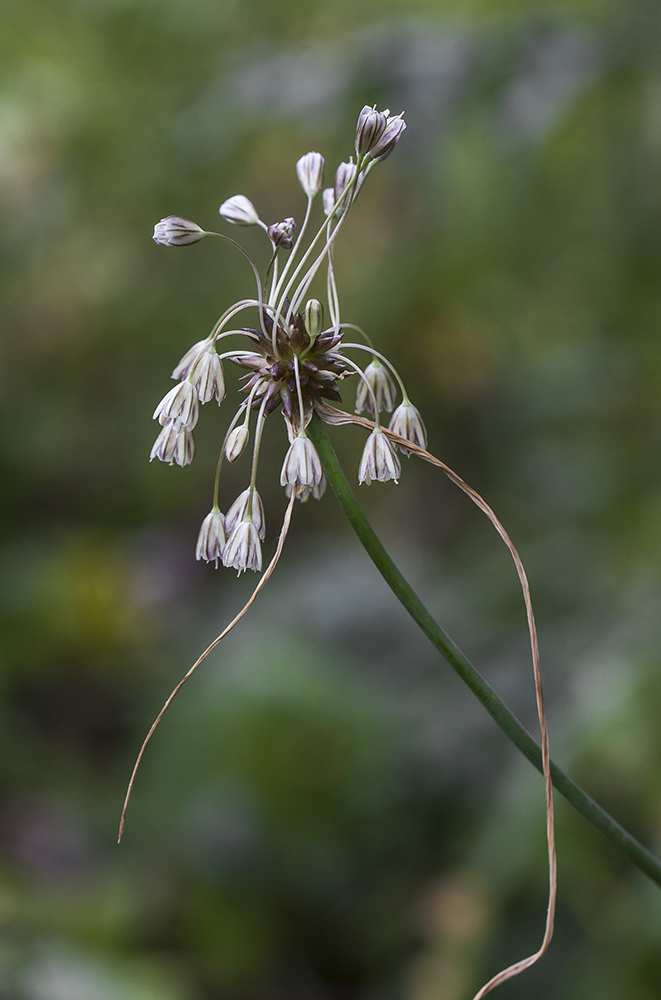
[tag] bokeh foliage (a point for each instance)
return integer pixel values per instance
(325, 812)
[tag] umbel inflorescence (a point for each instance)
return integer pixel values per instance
(294, 361)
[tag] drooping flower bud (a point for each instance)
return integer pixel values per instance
(211, 539)
(379, 460)
(172, 445)
(243, 550)
(240, 508)
(182, 370)
(328, 199)
(302, 465)
(391, 136)
(314, 318)
(370, 128)
(174, 231)
(379, 378)
(281, 234)
(239, 210)
(236, 443)
(407, 422)
(180, 407)
(310, 173)
(207, 375)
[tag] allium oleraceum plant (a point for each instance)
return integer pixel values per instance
(299, 363)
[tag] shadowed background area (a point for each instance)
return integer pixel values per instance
(326, 813)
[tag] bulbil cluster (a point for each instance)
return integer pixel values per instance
(293, 361)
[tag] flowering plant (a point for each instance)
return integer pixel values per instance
(297, 363)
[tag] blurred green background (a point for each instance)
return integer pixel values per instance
(326, 813)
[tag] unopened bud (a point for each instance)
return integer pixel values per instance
(344, 175)
(310, 173)
(391, 136)
(371, 126)
(177, 232)
(314, 318)
(239, 210)
(281, 234)
(236, 443)
(328, 199)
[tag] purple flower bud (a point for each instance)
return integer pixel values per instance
(371, 126)
(391, 135)
(310, 173)
(281, 234)
(177, 232)
(344, 175)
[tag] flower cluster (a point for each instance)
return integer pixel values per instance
(292, 360)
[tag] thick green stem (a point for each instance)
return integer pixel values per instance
(501, 714)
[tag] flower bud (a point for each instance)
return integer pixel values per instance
(239, 211)
(211, 539)
(207, 376)
(244, 505)
(281, 234)
(310, 173)
(407, 422)
(172, 445)
(236, 443)
(328, 199)
(380, 380)
(177, 232)
(243, 550)
(344, 175)
(183, 368)
(314, 318)
(370, 128)
(391, 135)
(302, 465)
(379, 460)
(180, 407)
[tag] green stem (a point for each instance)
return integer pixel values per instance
(499, 712)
